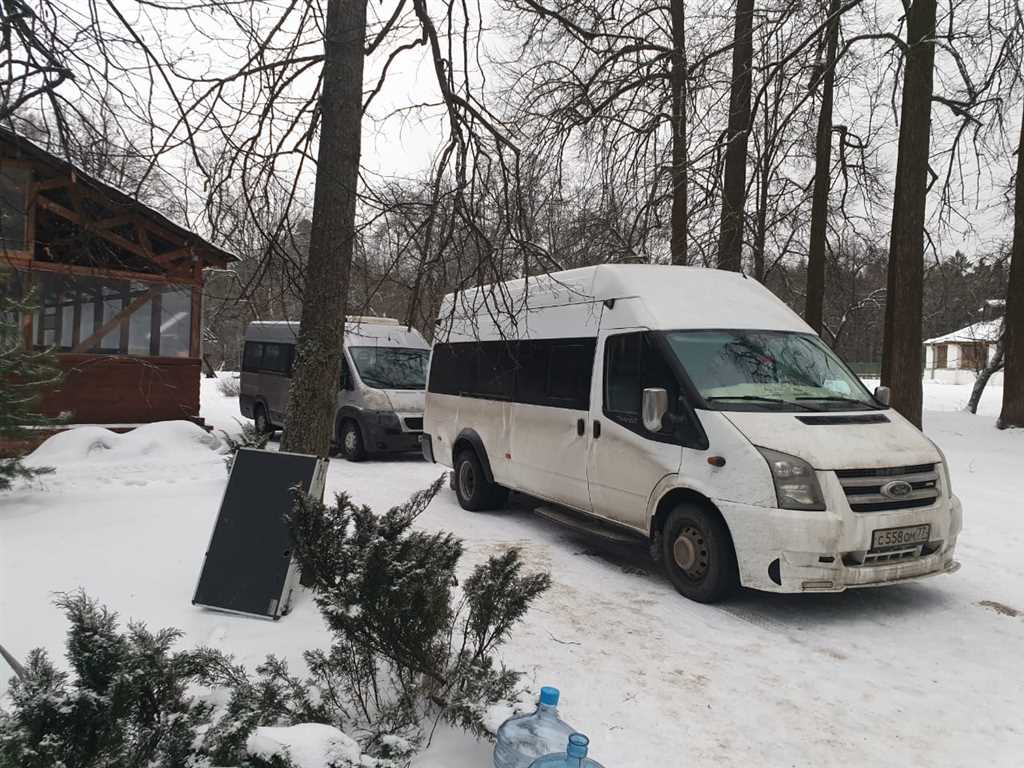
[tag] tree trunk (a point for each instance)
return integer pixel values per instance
(314, 386)
(680, 201)
(902, 350)
(1012, 414)
(730, 240)
(984, 375)
(815, 302)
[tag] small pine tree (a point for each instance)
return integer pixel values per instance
(24, 373)
(249, 437)
(406, 648)
(124, 703)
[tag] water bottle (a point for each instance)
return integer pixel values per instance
(574, 756)
(523, 739)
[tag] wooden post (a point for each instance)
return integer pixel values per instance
(196, 337)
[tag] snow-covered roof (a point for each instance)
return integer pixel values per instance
(673, 297)
(382, 331)
(986, 330)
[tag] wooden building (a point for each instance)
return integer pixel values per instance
(117, 285)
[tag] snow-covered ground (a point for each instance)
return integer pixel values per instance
(924, 674)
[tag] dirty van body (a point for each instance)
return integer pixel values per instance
(380, 392)
(694, 409)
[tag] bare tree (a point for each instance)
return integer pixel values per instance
(902, 350)
(1012, 413)
(730, 240)
(814, 307)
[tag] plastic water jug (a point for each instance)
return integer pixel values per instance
(574, 756)
(523, 739)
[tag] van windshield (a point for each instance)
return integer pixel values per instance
(391, 367)
(768, 370)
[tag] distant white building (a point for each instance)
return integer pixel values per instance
(955, 358)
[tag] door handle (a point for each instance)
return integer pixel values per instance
(581, 427)
(597, 428)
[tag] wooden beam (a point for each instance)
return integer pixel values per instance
(33, 265)
(178, 253)
(115, 221)
(88, 226)
(116, 321)
(57, 182)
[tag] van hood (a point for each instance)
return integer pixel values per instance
(406, 400)
(824, 444)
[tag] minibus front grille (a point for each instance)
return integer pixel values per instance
(864, 487)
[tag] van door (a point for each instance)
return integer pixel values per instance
(625, 460)
(547, 424)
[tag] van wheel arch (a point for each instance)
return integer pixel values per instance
(670, 501)
(468, 438)
(710, 572)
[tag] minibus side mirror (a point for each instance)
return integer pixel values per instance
(654, 408)
(883, 395)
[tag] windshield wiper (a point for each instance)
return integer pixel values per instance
(837, 399)
(760, 399)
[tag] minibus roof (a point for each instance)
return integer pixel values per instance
(672, 297)
(359, 331)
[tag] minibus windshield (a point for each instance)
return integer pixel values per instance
(767, 370)
(391, 367)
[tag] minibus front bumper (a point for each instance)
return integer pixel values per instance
(389, 432)
(780, 550)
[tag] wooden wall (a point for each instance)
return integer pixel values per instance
(109, 389)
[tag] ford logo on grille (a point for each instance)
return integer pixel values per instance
(897, 489)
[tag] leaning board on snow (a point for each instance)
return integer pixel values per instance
(249, 566)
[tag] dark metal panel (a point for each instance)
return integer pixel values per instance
(248, 565)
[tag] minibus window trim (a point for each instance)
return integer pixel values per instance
(689, 434)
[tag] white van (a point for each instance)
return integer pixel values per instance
(380, 394)
(693, 408)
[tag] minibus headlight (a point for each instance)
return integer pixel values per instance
(796, 484)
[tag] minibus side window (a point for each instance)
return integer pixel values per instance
(632, 364)
(275, 358)
(252, 356)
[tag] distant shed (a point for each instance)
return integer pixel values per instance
(956, 357)
(118, 287)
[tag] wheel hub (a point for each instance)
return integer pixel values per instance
(690, 552)
(350, 441)
(467, 480)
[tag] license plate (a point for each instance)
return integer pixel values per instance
(900, 537)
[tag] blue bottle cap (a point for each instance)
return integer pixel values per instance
(549, 696)
(577, 745)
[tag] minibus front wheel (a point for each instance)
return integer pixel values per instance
(697, 553)
(350, 441)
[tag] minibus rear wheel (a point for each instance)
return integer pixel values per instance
(262, 421)
(475, 492)
(698, 555)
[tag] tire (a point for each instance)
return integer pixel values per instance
(698, 555)
(471, 486)
(350, 441)
(262, 420)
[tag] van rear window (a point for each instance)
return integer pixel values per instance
(267, 357)
(551, 372)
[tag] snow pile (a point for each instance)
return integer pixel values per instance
(158, 441)
(311, 745)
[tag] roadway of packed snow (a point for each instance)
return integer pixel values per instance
(924, 674)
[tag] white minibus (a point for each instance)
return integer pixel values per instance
(380, 392)
(692, 408)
